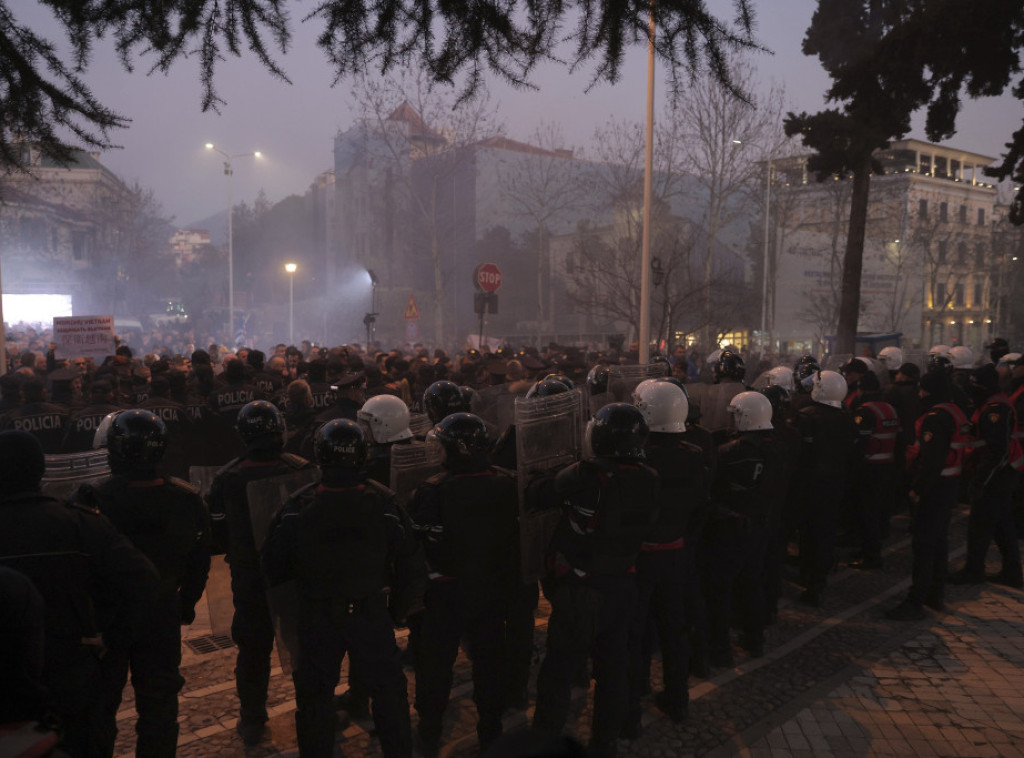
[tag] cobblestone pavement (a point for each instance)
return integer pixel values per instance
(835, 681)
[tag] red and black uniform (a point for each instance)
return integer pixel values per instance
(874, 480)
(995, 462)
(936, 461)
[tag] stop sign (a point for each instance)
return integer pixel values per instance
(487, 277)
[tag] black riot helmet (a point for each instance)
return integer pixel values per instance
(136, 441)
(548, 386)
(729, 366)
(563, 379)
(940, 363)
(597, 379)
(261, 425)
(341, 444)
(618, 430)
(443, 398)
(804, 369)
(464, 439)
(778, 396)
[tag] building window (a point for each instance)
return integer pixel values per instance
(961, 253)
(940, 295)
(979, 290)
(981, 217)
(943, 211)
(979, 254)
(943, 249)
(922, 208)
(963, 214)
(78, 245)
(958, 296)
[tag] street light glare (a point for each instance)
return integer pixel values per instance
(291, 268)
(209, 146)
(258, 154)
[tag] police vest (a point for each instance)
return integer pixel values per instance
(954, 464)
(478, 516)
(882, 444)
(681, 468)
(1018, 429)
(342, 549)
(1014, 450)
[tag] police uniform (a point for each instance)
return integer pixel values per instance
(339, 541)
(748, 489)
(996, 460)
(609, 509)
(874, 481)
(251, 627)
(167, 520)
(93, 580)
(82, 426)
(465, 518)
(44, 421)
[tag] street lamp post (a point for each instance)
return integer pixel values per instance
(229, 172)
(291, 268)
(764, 283)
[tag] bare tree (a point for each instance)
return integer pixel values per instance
(423, 136)
(719, 133)
(544, 187)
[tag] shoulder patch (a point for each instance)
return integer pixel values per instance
(182, 484)
(295, 461)
(927, 436)
(993, 418)
(436, 479)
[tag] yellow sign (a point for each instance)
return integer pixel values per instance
(411, 311)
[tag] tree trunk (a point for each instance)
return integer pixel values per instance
(853, 259)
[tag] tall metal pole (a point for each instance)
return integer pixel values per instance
(645, 247)
(230, 172)
(764, 284)
(291, 309)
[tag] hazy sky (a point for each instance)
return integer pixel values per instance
(294, 125)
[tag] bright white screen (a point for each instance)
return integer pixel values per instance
(35, 309)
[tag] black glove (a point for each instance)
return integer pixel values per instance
(188, 615)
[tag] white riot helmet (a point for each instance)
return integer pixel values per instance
(387, 417)
(892, 357)
(663, 404)
(829, 389)
(781, 376)
(751, 411)
(962, 357)
(938, 350)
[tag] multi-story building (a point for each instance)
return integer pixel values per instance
(936, 257)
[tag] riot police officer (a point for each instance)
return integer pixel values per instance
(82, 426)
(465, 518)
(936, 460)
(44, 421)
(803, 381)
(996, 460)
(387, 418)
(729, 372)
(828, 435)
(97, 587)
(167, 520)
(610, 505)
(347, 545)
(442, 398)
(749, 487)
(660, 567)
(262, 430)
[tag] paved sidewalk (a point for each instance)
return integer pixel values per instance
(839, 681)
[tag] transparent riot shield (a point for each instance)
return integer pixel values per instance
(622, 380)
(411, 465)
(497, 407)
(266, 496)
(66, 472)
(419, 424)
(219, 601)
(549, 437)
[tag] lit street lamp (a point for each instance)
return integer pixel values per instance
(291, 268)
(229, 172)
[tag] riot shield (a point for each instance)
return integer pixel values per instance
(66, 472)
(497, 407)
(411, 465)
(622, 380)
(219, 600)
(419, 424)
(549, 436)
(283, 603)
(266, 496)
